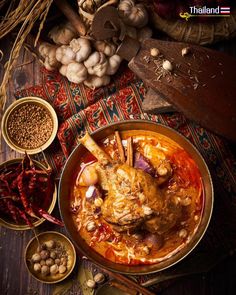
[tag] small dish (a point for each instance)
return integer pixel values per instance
(5, 221)
(29, 124)
(59, 239)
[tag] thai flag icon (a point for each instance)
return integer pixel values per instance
(224, 10)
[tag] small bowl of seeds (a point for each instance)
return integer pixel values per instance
(50, 257)
(29, 124)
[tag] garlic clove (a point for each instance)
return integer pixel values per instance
(167, 65)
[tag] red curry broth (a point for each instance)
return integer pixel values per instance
(142, 247)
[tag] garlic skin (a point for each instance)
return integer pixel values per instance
(133, 14)
(76, 72)
(48, 52)
(65, 54)
(167, 65)
(81, 48)
(63, 33)
(113, 64)
(96, 64)
(105, 47)
(96, 82)
(63, 70)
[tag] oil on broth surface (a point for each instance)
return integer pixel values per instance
(153, 216)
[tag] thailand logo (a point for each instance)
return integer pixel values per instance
(196, 11)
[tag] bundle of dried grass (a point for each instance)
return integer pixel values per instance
(27, 13)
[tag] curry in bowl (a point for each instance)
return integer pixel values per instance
(137, 197)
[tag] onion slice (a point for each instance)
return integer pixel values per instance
(83, 166)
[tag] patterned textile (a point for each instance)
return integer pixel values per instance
(80, 108)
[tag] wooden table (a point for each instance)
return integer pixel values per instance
(14, 278)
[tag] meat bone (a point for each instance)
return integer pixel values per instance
(202, 83)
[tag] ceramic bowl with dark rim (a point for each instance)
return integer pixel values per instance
(29, 124)
(4, 218)
(68, 250)
(66, 185)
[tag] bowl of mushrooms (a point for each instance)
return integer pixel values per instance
(50, 257)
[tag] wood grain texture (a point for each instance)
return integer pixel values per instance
(14, 278)
(202, 84)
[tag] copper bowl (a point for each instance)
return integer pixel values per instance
(31, 100)
(65, 187)
(31, 248)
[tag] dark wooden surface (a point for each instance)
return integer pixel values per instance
(14, 278)
(212, 102)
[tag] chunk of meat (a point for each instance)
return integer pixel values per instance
(132, 197)
(166, 219)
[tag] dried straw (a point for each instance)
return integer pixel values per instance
(27, 13)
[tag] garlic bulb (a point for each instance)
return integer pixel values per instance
(96, 64)
(65, 54)
(76, 72)
(113, 64)
(48, 52)
(63, 33)
(105, 47)
(95, 82)
(133, 14)
(81, 47)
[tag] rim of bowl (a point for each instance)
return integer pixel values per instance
(15, 226)
(55, 234)
(210, 210)
(16, 104)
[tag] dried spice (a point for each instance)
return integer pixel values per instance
(30, 126)
(51, 258)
